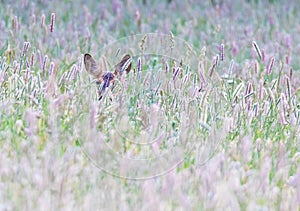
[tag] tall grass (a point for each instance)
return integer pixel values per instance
(220, 132)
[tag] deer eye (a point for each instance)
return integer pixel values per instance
(108, 77)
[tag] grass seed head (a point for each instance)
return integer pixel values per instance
(257, 49)
(52, 22)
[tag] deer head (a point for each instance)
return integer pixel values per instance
(100, 71)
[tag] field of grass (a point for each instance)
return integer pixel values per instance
(207, 118)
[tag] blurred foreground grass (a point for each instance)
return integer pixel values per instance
(248, 102)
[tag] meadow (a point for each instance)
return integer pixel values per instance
(207, 118)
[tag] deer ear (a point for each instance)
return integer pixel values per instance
(91, 66)
(125, 64)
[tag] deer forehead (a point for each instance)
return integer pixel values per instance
(108, 76)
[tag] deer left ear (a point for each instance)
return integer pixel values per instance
(91, 66)
(124, 65)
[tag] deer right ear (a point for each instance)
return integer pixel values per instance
(124, 65)
(91, 66)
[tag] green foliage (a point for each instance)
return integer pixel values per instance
(236, 122)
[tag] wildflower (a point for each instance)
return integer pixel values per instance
(51, 69)
(44, 62)
(222, 52)
(25, 48)
(139, 66)
(52, 22)
(43, 20)
(213, 66)
(176, 73)
(15, 23)
(270, 66)
(31, 59)
(33, 19)
(288, 86)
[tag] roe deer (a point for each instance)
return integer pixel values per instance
(100, 73)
